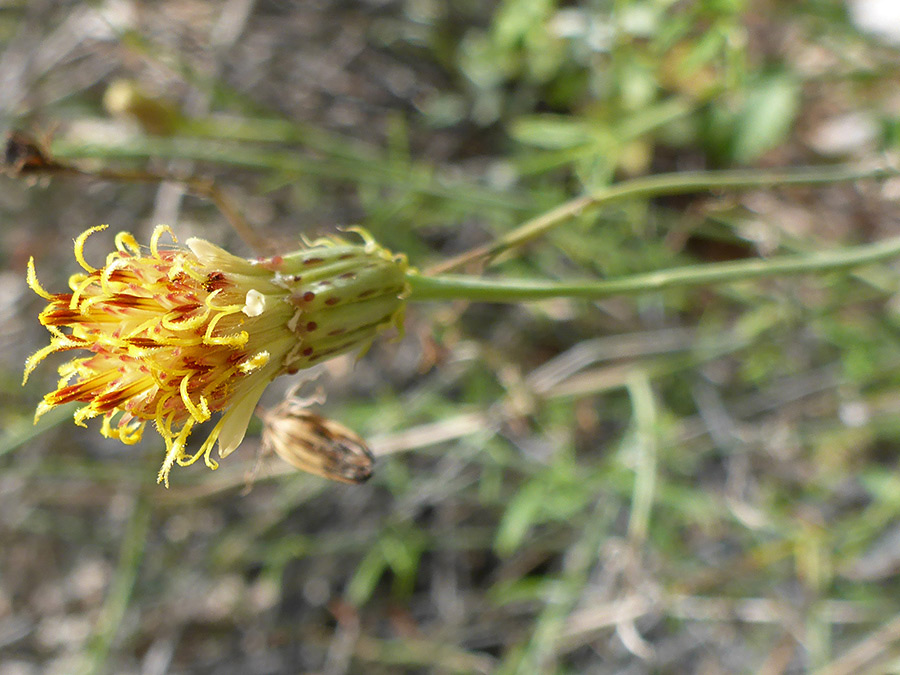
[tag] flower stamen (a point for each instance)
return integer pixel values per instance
(79, 247)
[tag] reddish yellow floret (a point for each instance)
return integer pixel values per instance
(175, 335)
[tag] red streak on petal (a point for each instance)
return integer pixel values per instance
(60, 317)
(86, 390)
(187, 307)
(144, 343)
(124, 277)
(236, 357)
(190, 363)
(111, 400)
(128, 301)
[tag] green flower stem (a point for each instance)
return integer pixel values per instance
(663, 184)
(480, 289)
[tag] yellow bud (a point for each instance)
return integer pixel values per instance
(158, 117)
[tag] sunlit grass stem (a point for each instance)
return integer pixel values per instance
(482, 289)
(658, 185)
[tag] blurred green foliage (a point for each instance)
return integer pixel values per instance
(711, 488)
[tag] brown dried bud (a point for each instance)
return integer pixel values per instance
(316, 444)
(24, 154)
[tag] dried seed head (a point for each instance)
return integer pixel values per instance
(24, 154)
(317, 444)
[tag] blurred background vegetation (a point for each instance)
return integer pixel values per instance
(690, 481)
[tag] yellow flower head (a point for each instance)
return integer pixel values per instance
(176, 335)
